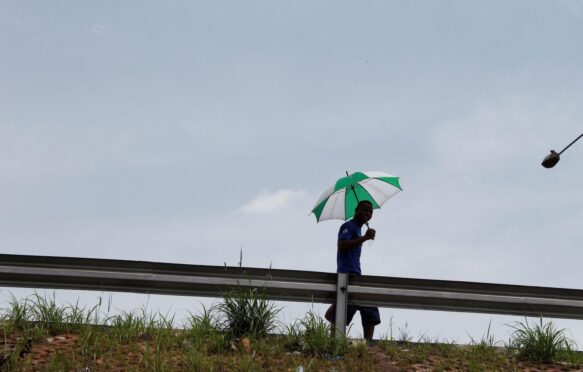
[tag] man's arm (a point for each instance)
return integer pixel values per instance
(347, 245)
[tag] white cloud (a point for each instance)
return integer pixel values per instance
(267, 202)
(97, 29)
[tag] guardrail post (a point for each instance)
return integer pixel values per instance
(341, 304)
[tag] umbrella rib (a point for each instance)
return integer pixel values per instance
(352, 187)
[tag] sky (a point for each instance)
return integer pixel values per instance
(191, 131)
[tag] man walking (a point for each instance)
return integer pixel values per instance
(350, 241)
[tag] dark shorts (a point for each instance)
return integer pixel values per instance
(369, 315)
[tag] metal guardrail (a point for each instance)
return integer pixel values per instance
(287, 285)
(162, 278)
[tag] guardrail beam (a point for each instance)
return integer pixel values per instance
(288, 285)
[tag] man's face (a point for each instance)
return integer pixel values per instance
(364, 212)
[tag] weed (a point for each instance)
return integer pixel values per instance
(446, 348)
(76, 316)
(418, 353)
(316, 338)
(89, 340)
(487, 340)
(390, 329)
(203, 332)
(540, 343)
(127, 327)
(246, 363)
(18, 313)
(59, 362)
(390, 347)
(483, 352)
(195, 360)
(292, 336)
(404, 335)
(573, 358)
(47, 314)
(444, 365)
(247, 312)
(159, 328)
(271, 346)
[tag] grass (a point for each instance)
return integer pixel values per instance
(247, 312)
(314, 336)
(447, 356)
(541, 342)
(238, 335)
(203, 331)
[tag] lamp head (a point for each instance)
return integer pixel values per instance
(551, 159)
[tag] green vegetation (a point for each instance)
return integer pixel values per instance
(237, 334)
(541, 342)
(248, 313)
(242, 334)
(315, 337)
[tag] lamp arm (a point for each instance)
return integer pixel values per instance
(576, 139)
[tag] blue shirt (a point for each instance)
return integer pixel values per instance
(349, 262)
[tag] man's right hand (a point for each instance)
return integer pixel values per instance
(369, 234)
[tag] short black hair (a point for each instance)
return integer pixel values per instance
(360, 203)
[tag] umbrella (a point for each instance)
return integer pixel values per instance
(339, 201)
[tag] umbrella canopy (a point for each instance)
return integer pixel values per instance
(339, 201)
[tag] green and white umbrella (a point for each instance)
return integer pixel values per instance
(340, 200)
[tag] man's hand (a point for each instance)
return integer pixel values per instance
(347, 245)
(369, 234)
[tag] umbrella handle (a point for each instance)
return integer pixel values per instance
(367, 226)
(371, 241)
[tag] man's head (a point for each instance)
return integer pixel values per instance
(363, 212)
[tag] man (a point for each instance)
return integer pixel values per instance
(350, 241)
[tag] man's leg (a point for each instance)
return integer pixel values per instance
(331, 315)
(368, 332)
(370, 318)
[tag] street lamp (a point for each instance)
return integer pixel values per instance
(553, 158)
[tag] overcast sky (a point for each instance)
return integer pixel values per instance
(186, 131)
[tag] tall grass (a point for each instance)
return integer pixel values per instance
(539, 343)
(317, 338)
(203, 331)
(127, 327)
(76, 315)
(488, 340)
(292, 336)
(50, 316)
(247, 312)
(18, 313)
